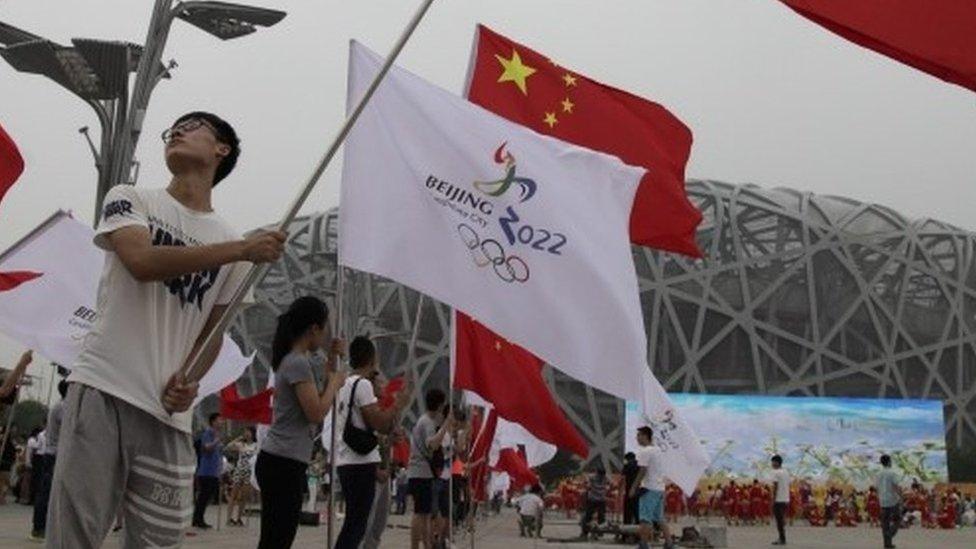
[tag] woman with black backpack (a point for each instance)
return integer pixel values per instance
(298, 406)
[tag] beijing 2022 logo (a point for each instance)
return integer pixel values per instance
(479, 211)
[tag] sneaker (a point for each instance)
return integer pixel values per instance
(778, 542)
(36, 536)
(203, 526)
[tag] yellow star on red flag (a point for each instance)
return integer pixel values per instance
(515, 71)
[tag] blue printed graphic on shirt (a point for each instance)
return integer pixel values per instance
(189, 288)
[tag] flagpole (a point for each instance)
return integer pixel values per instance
(450, 408)
(195, 368)
(330, 518)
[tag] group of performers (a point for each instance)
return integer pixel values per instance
(745, 503)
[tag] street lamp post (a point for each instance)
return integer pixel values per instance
(98, 71)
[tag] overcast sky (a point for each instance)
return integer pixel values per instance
(772, 99)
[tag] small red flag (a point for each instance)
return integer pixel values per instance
(526, 87)
(390, 391)
(934, 37)
(253, 409)
(11, 279)
(11, 163)
(513, 462)
(485, 436)
(400, 452)
(510, 378)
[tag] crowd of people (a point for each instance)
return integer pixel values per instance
(776, 498)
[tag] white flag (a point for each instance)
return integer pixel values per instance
(683, 457)
(525, 233)
(53, 310)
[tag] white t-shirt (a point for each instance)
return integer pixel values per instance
(35, 446)
(364, 397)
(145, 331)
(782, 479)
(529, 505)
(650, 457)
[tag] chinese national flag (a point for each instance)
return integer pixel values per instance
(254, 409)
(526, 87)
(937, 37)
(510, 378)
(11, 163)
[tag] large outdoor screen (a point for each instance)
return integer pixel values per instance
(825, 439)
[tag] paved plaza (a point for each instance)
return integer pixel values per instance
(500, 532)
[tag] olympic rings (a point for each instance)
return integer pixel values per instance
(489, 252)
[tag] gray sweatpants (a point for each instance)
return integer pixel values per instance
(112, 454)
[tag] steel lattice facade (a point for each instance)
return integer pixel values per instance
(798, 294)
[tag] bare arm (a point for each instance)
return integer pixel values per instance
(11, 381)
(435, 441)
(385, 421)
(148, 263)
(315, 405)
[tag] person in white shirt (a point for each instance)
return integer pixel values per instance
(172, 265)
(530, 509)
(781, 502)
(650, 487)
(357, 457)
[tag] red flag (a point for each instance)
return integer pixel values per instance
(400, 452)
(934, 37)
(526, 87)
(11, 163)
(479, 457)
(390, 391)
(11, 279)
(492, 367)
(514, 463)
(254, 409)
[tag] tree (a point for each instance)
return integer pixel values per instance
(28, 414)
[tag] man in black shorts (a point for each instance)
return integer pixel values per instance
(425, 450)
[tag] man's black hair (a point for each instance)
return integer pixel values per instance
(212, 418)
(777, 459)
(361, 352)
(646, 431)
(886, 460)
(225, 134)
(434, 400)
(630, 456)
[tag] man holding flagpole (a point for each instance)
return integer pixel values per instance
(172, 263)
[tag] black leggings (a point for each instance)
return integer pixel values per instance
(358, 488)
(282, 482)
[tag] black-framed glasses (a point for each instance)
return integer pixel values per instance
(188, 126)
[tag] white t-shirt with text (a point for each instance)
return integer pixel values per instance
(364, 397)
(650, 457)
(145, 331)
